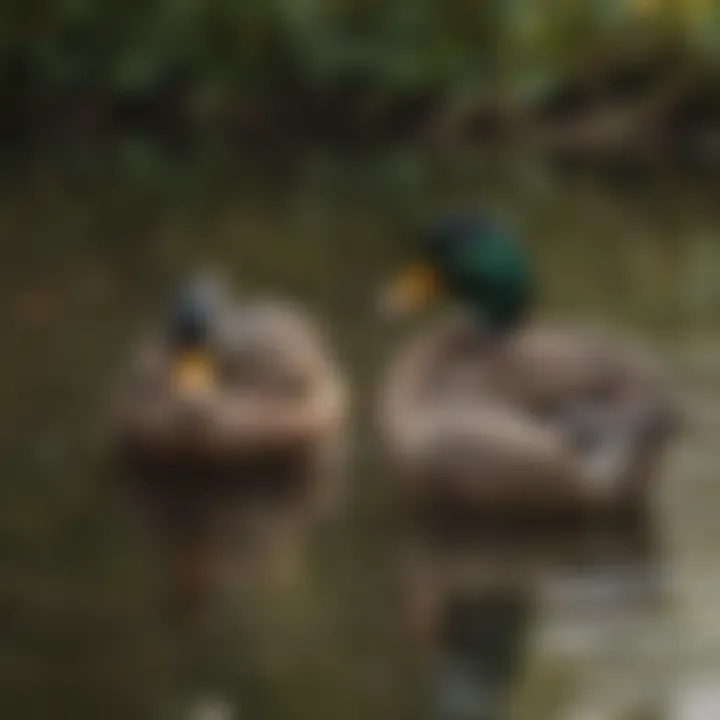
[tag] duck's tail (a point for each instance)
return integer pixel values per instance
(481, 655)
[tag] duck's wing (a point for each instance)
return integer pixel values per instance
(283, 382)
(563, 369)
(487, 455)
(608, 396)
(446, 431)
(605, 441)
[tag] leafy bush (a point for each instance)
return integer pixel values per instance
(213, 52)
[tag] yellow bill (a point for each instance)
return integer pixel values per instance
(192, 372)
(411, 291)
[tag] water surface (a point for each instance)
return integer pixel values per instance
(94, 238)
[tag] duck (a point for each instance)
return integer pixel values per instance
(229, 428)
(515, 450)
(501, 411)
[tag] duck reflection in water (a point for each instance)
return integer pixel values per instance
(484, 603)
(229, 427)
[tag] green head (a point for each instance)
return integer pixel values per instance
(477, 262)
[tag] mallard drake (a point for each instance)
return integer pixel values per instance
(497, 410)
(229, 425)
(490, 412)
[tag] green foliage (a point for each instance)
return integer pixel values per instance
(216, 52)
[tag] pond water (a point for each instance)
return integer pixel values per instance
(94, 238)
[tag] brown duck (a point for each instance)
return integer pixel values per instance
(495, 410)
(229, 427)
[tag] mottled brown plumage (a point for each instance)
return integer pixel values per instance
(520, 420)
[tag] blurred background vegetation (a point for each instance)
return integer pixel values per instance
(95, 234)
(615, 68)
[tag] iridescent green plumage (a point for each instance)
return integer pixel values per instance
(480, 264)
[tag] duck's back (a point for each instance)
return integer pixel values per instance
(545, 368)
(549, 371)
(272, 348)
